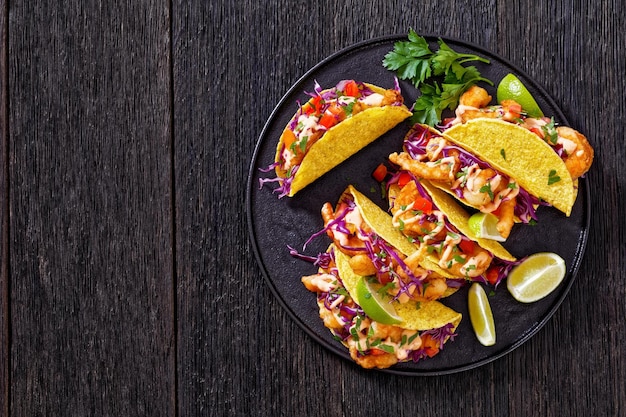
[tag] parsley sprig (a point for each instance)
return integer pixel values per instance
(413, 60)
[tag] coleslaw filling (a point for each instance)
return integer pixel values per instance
(472, 179)
(444, 240)
(325, 109)
(370, 343)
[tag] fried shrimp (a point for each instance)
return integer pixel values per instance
(415, 223)
(579, 153)
(433, 286)
(436, 171)
(397, 343)
(470, 265)
(506, 219)
(475, 96)
(349, 243)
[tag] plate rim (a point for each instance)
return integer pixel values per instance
(340, 349)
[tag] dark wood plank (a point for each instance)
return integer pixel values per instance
(4, 215)
(91, 260)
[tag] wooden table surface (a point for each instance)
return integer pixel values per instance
(128, 283)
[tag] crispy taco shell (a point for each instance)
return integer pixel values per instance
(429, 315)
(343, 140)
(381, 223)
(521, 155)
(459, 219)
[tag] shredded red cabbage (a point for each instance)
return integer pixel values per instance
(326, 95)
(339, 222)
(415, 145)
(440, 335)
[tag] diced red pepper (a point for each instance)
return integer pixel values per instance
(430, 345)
(380, 173)
(467, 246)
(537, 132)
(515, 108)
(328, 120)
(424, 205)
(314, 105)
(384, 277)
(376, 352)
(403, 179)
(333, 115)
(492, 275)
(351, 89)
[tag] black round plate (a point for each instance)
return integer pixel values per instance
(276, 223)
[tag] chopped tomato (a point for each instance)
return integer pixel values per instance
(313, 106)
(328, 120)
(492, 275)
(351, 89)
(430, 345)
(537, 132)
(403, 179)
(333, 115)
(376, 352)
(424, 205)
(467, 246)
(380, 173)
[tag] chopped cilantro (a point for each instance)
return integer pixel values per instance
(414, 60)
(552, 177)
(549, 131)
(487, 189)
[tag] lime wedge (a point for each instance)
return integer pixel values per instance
(511, 88)
(377, 306)
(481, 315)
(485, 225)
(536, 277)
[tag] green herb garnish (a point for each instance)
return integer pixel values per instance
(413, 60)
(550, 133)
(487, 189)
(552, 177)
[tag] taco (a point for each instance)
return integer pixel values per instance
(364, 232)
(435, 221)
(421, 330)
(329, 128)
(481, 163)
(569, 144)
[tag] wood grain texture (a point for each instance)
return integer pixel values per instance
(91, 258)
(128, 282)
(242, 353)
(4, 215)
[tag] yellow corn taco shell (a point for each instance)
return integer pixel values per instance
(428, 315)
(344, 140)
(459, 219)
(521, 155)
(380, 222)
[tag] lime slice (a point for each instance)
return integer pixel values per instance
(511, 88)
(481, 316)
(374, 304)
(485, 225)
(536, 277)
